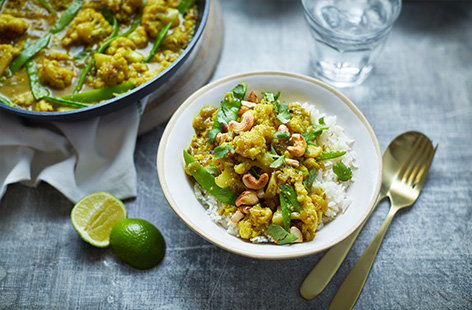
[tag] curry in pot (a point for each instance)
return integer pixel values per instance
(57, 55)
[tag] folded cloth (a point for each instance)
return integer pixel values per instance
(77, 158)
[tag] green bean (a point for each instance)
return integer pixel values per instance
(112, 38)
(47, 6)
(67, 16)
(38, 90)
(207, 181)
(160, 36)
(184, 5)
(69, 103)
(5, 100)
(100, 94)
(31, 48)
(82, 75)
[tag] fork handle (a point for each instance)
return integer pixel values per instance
(319, 277)
(351, 288)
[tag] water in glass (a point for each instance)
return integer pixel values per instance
(349, 35)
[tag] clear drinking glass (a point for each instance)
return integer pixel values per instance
(349, 35)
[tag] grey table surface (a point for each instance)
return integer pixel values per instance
(422, 81)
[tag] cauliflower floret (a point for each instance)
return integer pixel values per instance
(11, 28)
(256, 223)
(56, 71)
(309, 214)
(43, 106)
(25, 99)
(156, 15)
(120, 43)
(6, 56)
(139, 37)
(87, 27)
(111, 69)
(123, 9)
(176, 41)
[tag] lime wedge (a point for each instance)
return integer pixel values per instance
(94, 216)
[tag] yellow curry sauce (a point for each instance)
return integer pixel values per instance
(113, 37)
(258, 156)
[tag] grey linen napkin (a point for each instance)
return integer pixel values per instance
(77, 158)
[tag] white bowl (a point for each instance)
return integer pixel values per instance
(178, 190)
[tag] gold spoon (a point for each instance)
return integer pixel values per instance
(404, 189)
(395, 157)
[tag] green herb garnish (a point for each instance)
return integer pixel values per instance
(282, 134)
(343, 172)
(280, 235)
(228, 110)
(212, 169)
(222, 150)
(278, 162)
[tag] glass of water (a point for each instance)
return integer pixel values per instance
(349, 35)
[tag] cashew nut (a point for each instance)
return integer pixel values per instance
(245, 209)
(221, 137)
(292, 162)
(247, 198)
(247, 120)
(250, 181)
(252, 97)
(245, 106)
(297, 233)
(299, 145)
(283, 128)
(237, 216)
(260, 193)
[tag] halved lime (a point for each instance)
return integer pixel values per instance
(94, 216)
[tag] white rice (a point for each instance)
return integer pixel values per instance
(334, 139)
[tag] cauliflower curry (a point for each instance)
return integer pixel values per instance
(57, 55)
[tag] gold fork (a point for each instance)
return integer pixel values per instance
(405, 189)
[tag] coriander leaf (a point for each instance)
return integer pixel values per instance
(282, 135)
(278, 162)
(343, 172)
(321, 121)
(268, 97)
(212, 169)
(283, 112)
(280, 235)
(308, 182)
(222, 150)
(240, 91)
(330, 155)
(228, 110)
(290, 196)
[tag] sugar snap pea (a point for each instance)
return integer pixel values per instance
(207, 181)
(160, 36)
(31, 48)
(285, 211)
(47, 6)
(100, 94)
(37, 89)
(5, 100)
(290, 196)
(67, 16)
(69, 103)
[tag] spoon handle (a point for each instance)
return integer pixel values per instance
(319, 277)
(351, 288)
